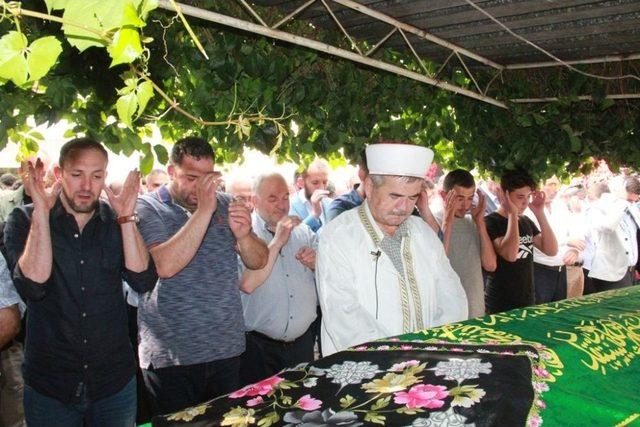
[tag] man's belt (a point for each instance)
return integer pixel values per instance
(269, 339)
(557, 268)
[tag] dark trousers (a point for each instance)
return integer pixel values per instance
(603, 285)
(589, 287)
(144, 411)
(177, 387)
(118, 410)
(265, 357)
(550, 283)
(316, 329)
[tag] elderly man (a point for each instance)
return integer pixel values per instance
(380, 270)
(279, 300)
(241, 190)
(156, 179)
(71, 252)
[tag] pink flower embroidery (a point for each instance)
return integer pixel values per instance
(540, 404)
(540, 387)
(394, 339)
(255, 401)
(399, 367)
(543, 373)
(383, 347)
(406, 347)
(422, 396)
(535, 421)
(260, 388)
(308, 403)
(361, 348)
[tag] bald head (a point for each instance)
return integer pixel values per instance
(241, 189)
(271, 197)
(156, 179)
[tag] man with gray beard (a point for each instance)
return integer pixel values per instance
(381, 271)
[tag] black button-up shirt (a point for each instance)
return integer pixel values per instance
(77, 332)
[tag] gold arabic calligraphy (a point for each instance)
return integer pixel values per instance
(608, 343)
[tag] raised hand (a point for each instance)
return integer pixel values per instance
(239, 219)
(307, 257)
(477, 211)
(33, 181)
(570, 257)
(316, 202)
(284, 228)
(124, 203)
(537, 201)
(505, 201)
(423, 199)
(206, 188)
(450, 204)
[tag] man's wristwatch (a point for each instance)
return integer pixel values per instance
(129, 218)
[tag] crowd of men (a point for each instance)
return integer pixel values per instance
(216, 290)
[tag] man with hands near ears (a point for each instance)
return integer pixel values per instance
(191, 329)
(71, 252)
(279, 301)
(514, 236)
(466, 240)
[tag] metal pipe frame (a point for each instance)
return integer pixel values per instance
(323, 47)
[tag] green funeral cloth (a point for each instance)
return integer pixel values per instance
(591, 354)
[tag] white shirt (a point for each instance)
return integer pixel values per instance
(284, 306)
(350, 284)
(8, 293)
(560, 221)
(614, 236)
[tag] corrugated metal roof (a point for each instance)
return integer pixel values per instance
(570, 29)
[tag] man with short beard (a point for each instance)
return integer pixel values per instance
(191, 325)
(71, 253)
(381, 271)
(311, 203)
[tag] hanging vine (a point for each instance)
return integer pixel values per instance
(135, 65)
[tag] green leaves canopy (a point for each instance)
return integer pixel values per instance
(22, 63)
(329, 105)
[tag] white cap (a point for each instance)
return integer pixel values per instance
(398, 159)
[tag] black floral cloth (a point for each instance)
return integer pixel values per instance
(393, 383)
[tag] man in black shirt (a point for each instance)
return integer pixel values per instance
(71, 252)
(513, 236)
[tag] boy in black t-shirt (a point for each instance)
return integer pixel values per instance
(513, 236)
